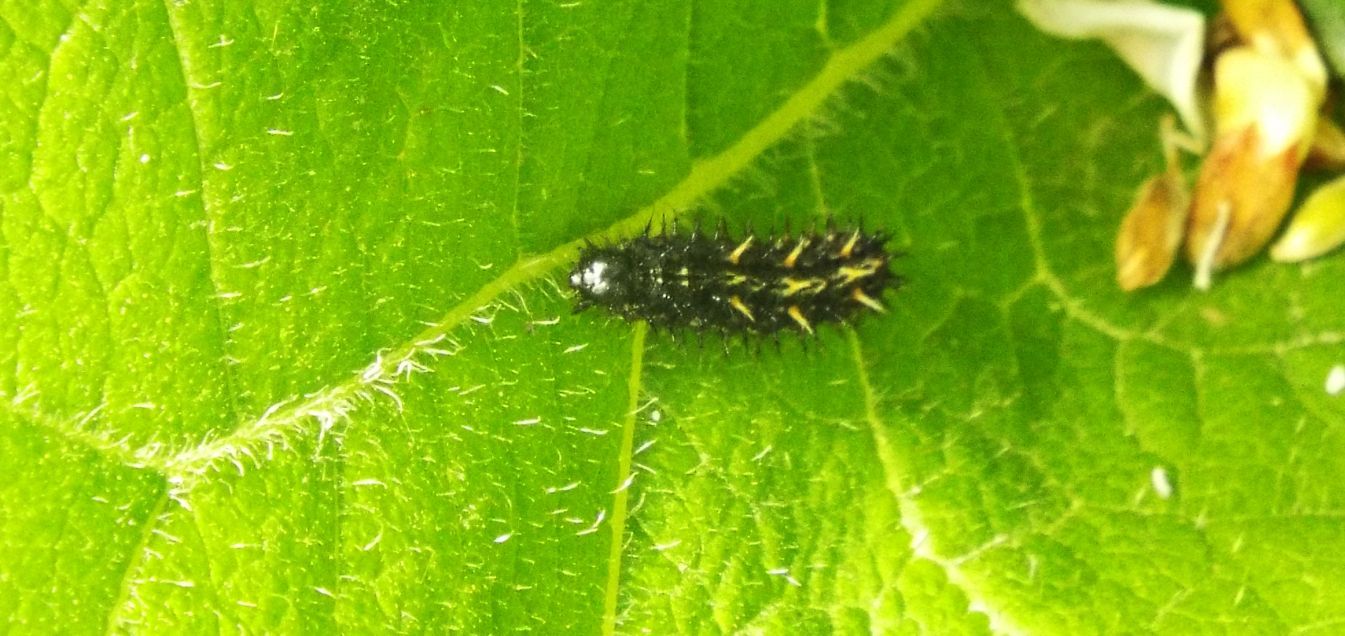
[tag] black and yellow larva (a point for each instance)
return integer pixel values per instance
(754, 285)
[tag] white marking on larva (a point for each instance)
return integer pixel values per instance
(1162, 483)
(324, 591)
(593, 278)
(504, 537)
(1335, 380)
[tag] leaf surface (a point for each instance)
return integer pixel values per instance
(285, 345)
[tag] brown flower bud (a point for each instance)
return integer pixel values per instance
(1152, 231)
(1265, 111)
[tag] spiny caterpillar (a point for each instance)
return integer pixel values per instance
(757, 285)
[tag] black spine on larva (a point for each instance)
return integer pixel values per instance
(756, 285)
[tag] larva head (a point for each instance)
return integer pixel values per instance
(598, 278)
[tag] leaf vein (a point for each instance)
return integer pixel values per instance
(621, 495)
(907, 510)
(138, 554)
(185, 68)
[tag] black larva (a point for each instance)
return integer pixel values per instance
(757, 285)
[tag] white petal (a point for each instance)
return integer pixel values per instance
(1163, 44)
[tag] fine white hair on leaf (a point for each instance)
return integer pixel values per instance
(386, 390)
(625, 484)
(408, 366)
(784, 572)
(597, 523)
(374, 370)
(432, 340)
(372, 542)
(567, 487)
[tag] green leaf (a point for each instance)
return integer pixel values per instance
(1327, 21)
(285, 345)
